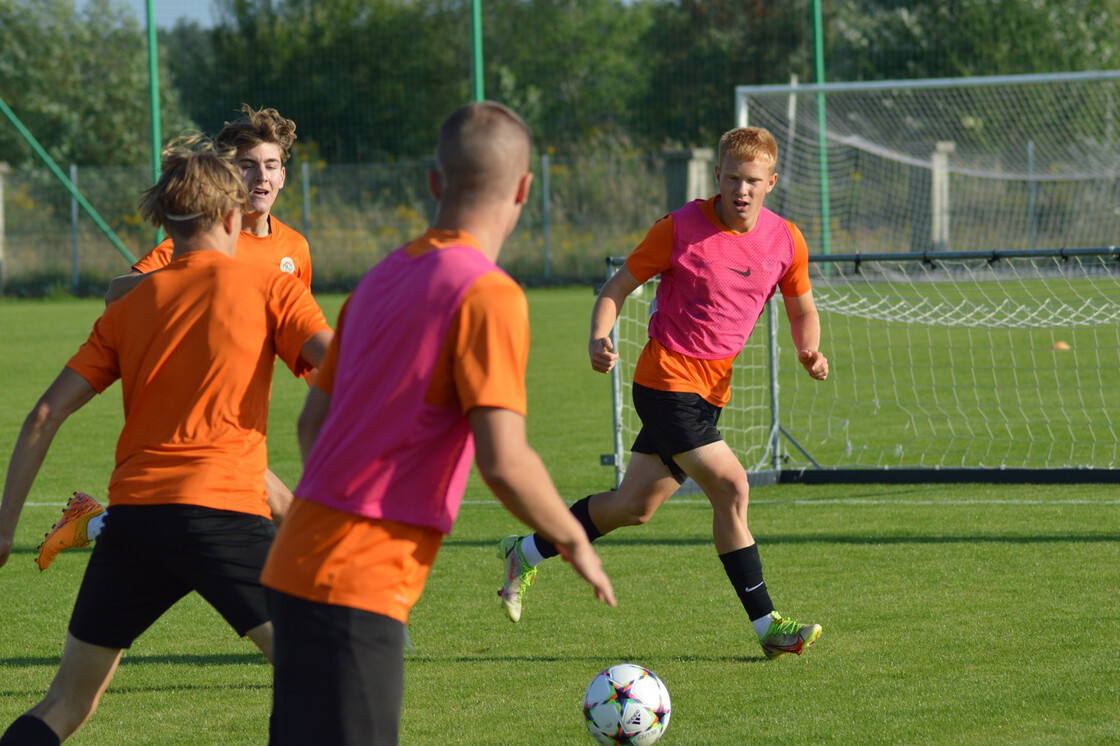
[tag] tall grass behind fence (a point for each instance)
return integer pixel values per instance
(45, 247)
(352, 215)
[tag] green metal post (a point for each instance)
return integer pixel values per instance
(153, 88)
(822, 125)
(45, 157)
(476, 49)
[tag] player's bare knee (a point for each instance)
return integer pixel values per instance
(733, 499)
(634, 511)
(641, 515)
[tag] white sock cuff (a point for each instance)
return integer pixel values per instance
(94, 526)
(761, 625)
(530, 552)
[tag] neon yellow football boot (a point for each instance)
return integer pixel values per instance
(787, 636)
(519, 576)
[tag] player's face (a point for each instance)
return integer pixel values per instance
(743, 185)
(262, 170)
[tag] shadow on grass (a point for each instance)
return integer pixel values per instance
(189, 659)
(868, 539)
(219, 659)
(117, 688)
(422, 658)
(873, 539)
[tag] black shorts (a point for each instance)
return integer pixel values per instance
(150, 556)
(673, 422)
(338, 675)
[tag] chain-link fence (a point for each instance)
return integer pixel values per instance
(581, 210)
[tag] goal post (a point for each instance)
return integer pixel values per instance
(964, 263)
(994, 366)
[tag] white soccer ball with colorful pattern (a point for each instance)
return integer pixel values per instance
(626, 704)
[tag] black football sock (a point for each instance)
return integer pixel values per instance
(744, 570)
(582, 513)
(29, 730)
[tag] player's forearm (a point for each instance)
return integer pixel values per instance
(609, 303)
(524, 487)
(518, 478)
(279, 496)
(315, 348)
(311, 419)
(34, 440)
(806, 331)
(603, 317)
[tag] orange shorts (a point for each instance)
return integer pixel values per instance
(331, 557)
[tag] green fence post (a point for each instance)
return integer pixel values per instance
(476, 49)
(45, 157)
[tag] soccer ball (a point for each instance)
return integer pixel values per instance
(626, 705)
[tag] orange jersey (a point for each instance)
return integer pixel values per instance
(342, 559)
(194, 346)
(283, 248)
(336, 557)
(668, 370)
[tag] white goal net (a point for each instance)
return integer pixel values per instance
(1014, 162)
(962, 236)
(949, 365)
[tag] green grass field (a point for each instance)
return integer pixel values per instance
(956, 614)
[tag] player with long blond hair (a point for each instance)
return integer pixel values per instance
(194, 347)
(262, 140)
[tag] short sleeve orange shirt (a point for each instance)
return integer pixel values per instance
(283, 248)
(666, 370)
(194, 347)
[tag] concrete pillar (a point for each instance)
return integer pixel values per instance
(939, 194)
(689, 175)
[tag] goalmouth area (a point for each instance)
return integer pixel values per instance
(946, 366)
(963, 239)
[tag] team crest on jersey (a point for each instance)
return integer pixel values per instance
(287, 264)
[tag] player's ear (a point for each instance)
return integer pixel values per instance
(231, 221)
(523, 188)
(772, 183)
(434, 185)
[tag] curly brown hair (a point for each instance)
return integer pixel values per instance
(257, 126)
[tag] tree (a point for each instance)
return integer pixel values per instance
(572, 68)
(363, 80)
(79, 82)
(373, 79)
(699, 50)
(885, 39)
